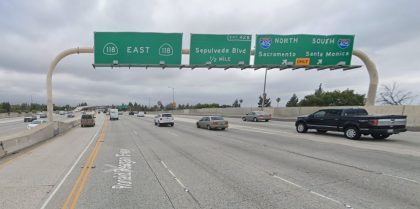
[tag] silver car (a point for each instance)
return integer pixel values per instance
(212, 122)
(257, 116)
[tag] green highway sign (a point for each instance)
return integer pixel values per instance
(303, 50)
(229, 49)
(134, 48)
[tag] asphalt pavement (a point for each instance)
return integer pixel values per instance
(9, 126)
(130, 163)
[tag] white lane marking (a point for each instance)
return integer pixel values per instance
(164, 165)
(174, 176)
(328, 198)
(312, 192)
(287, 181)
(399, 177)
(312, 138)
(135, 132)
(123, 172)
(68, 172)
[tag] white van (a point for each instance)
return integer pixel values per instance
(113, 114)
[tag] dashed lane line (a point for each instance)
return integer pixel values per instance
(312, 192)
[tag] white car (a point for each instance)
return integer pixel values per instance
(164, 119)
(140, 114)
(35, 123)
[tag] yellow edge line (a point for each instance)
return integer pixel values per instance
(81, 179)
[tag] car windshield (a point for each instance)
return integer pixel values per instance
(166, 115)
(217, 118)
(86, 116)
(36, 122)
(260, 113)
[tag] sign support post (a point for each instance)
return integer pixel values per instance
(264, 94)
(373, 76)
(51, 69)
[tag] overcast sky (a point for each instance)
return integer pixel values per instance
(32, 33)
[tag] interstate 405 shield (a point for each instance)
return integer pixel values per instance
(303, 50)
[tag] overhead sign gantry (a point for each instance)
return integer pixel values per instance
(164, 50)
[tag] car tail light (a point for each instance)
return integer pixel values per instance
(373, 122)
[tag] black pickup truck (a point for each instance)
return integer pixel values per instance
(353, 122)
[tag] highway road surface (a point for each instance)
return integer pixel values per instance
(130, 163)
(9, 126)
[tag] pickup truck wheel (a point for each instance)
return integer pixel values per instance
(352, 132)
(255, 120)
(198, 126)
(301, 128)
(321, 131)
(380, 136)
(208, 127)
(266, 120)
(243, 119)
(158, 124)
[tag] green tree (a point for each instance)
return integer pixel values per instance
(293, 101)
(236, 103)
(6, 107)
(169, 106)
(267, 102)
(160, 105)
(334, 98)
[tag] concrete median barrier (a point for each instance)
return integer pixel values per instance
(62, 127)
(2, 152)
(290, 113)
(16, 142)
(14, 115)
